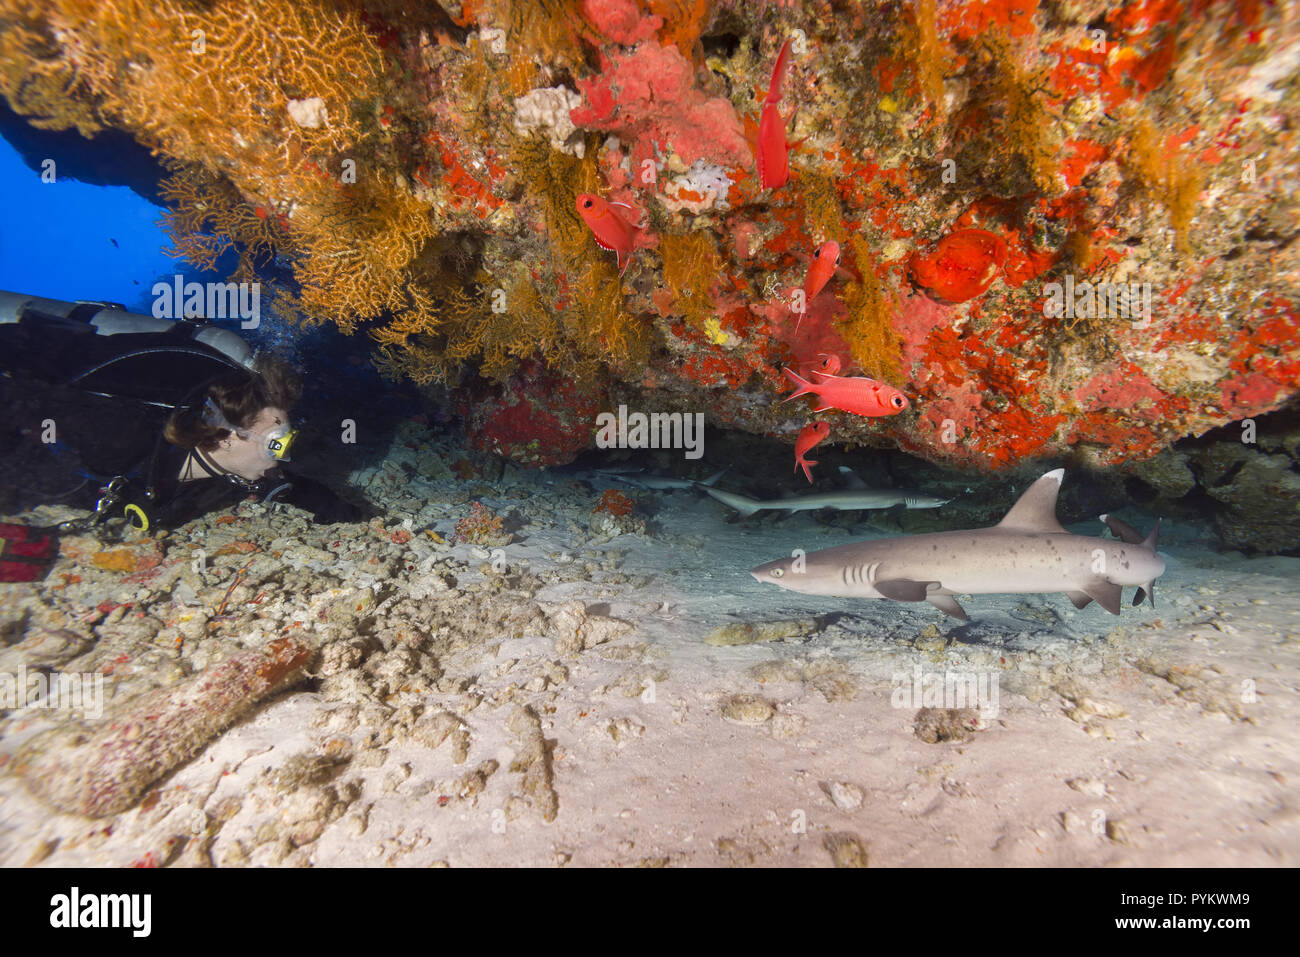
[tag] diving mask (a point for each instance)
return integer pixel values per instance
(278, 440)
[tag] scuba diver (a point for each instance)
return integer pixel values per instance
(227, 435)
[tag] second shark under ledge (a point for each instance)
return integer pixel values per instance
(854, 498)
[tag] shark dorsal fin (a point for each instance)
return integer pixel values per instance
(850, 478)
(1035, 510)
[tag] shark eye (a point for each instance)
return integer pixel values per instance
(897, 402)
(777, 572)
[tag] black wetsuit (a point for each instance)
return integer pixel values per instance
(83, 408)
(99, 438)
(176, 502)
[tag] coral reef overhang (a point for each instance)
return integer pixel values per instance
(1065, 227)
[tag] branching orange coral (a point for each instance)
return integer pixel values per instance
(1025, 123)
(36, 81)
(196, 80)
(208, 216)
(690, 266)
(868, 328)
(270, 97)
(594, 320)
(431, 339)
(929, 55)
(548, 29)
(1165, 174)
(358, 242)
(821, 205)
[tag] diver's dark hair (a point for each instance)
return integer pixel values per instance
(241, 397)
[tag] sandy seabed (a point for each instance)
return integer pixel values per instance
(619, 691)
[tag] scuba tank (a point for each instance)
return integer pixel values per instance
(103, 349)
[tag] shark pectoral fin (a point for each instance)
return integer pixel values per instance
(1147, 591)
(1107, 594)
(1079, 598)
(948, 605)
(903, 589)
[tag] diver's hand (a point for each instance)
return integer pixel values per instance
(340, 510)
(325, 505)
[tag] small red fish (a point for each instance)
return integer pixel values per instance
(830, 364)
(610, 229)
(857, 395)
(823, 266)
(773, 150)
(824, 263)
(812, 433)
(961, 266)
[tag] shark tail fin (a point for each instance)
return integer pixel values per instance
(1122, 530)
(713, 479)
(1130, 535)
(744, 505)
(1150, 587)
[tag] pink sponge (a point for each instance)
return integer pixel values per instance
(648, 97)
(620, 20)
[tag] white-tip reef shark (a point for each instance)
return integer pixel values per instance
(856, 497)
(654, 481)
(1028, 551)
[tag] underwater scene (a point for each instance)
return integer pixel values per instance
(687, 433)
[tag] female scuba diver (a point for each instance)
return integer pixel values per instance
(230, 443)
(102, 375)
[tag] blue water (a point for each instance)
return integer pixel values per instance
(57, 239)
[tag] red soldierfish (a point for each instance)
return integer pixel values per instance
(611, 230)
(823, 266)
(773, 165)
(812, 433)
(857, 395)
(830, 364)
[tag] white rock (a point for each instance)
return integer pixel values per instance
(1091, 786)
(845, 796)
(547, 108)
(309, 113)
